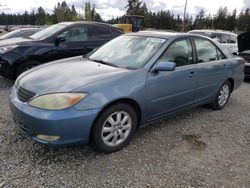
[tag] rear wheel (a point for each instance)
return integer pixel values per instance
(114, 128)
(222, 96)
(26, 66)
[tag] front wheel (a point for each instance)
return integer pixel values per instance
(114, 128)
(222, 96)
(26, 66)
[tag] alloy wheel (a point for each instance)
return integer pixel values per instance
(116, 128)
(224, 95)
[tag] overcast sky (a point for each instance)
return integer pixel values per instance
(113, 8)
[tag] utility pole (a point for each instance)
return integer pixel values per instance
(184, 17)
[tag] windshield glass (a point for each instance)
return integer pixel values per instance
(10, 34)
(47, 32)
(128, 51)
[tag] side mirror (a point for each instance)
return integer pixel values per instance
(59, 38)
(235, 53)
(164, 66)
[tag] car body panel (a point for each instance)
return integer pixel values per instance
(46, 50)
(156, 94)
(25, 32)
(174, 96)
(244, 50)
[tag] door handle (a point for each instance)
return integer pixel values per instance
(192, 74)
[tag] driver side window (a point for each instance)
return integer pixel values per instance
(78, 33)
(180, 52)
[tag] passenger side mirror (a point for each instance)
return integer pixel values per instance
(59, 38)
(235, 53)
(164, 66)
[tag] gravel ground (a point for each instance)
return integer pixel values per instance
(198, 148)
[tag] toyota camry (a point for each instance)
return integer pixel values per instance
(103, 98)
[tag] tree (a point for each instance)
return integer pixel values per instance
(40, 16)
(200, 21)
(87, 11)
(135, 7)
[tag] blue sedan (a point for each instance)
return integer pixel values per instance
(129, 82)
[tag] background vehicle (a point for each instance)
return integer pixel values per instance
(244, 51)
(226, 38)
(25, 32)
(133, 23)
(58, 41)
(125, 84)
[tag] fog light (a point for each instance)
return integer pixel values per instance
(48, 138)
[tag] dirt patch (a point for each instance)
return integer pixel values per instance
(194, 141)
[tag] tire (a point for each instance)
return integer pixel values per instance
(26, 66)
(222, 96)
(109, 134)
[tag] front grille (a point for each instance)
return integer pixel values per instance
(24, 95)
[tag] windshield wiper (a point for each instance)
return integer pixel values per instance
(104, 62)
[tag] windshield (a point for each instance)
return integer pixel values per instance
(47, 32)
(131, 52)
(10, 34)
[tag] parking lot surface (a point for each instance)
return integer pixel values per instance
(197, 148)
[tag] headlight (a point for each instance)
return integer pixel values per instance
(57, 101)
(3, 50)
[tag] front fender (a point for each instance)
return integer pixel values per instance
(130, 86)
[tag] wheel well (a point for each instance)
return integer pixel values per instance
(232, 83)
(131, 102)
(22, 63)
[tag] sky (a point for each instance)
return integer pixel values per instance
(113, 8)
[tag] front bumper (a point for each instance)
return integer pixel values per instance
(72, 126)
(6, 70)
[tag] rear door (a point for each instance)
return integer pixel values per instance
(211, 69)
(172, 90)
(77, 38)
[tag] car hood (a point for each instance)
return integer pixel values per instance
(14, 41)
(66, 75)
(244, 41)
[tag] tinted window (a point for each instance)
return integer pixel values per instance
(180, 52)
(233, 39)
(116, 32)
(100, 33)
(216, 37)
(78, 33)
(206, 51)
(225, 38)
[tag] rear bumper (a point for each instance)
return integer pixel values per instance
(71, 126)
(247, 70)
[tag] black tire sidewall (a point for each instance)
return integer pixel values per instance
(96, 137)
(216, 104)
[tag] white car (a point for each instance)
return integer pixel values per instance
(226, 38)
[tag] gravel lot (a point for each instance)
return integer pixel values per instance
(198, 148)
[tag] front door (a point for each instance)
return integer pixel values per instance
(172, 90)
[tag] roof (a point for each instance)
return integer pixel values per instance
(29, 28)
(85, 22)
(213, 31)
(158, 34)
